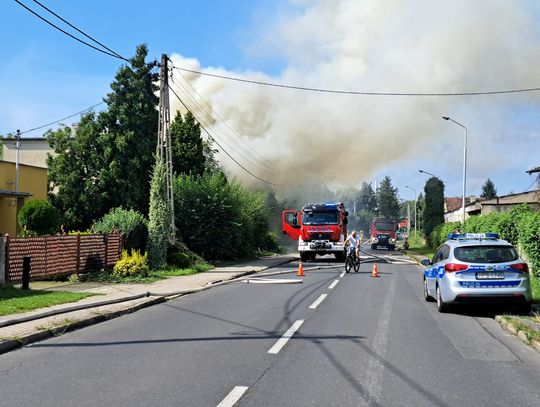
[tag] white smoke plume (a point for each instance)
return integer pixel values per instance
(373, 45)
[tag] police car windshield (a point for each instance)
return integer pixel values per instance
(385, 226)
(486, 254)
(320, 218)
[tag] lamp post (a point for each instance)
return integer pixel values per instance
(429, 173)
(18, 148)
(406, 186)
(464, 162)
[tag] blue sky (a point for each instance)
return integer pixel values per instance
(45, 75)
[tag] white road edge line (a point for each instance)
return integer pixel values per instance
(334, 283)
(233, 396)
(286, 336)
(342, 274)
(318, 301)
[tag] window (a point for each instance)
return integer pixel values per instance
(486, 254)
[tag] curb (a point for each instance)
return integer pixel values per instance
(513, 329)
(11, 344)
(8, 345)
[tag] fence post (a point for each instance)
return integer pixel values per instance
(78, 253)
(26, 273)
(3, 276)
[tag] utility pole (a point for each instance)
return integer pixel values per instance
(17, 145)
(164, 149)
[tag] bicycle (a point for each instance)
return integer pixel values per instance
(352, 261)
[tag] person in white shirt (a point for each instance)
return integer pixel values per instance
(352, 242)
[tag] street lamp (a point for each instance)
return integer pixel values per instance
(406, 186)
(464, 161)
(428, 173)
(17, 145)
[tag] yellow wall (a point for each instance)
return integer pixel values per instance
(31, 179)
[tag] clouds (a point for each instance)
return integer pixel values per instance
(379, 45)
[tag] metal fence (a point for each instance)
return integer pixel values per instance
(61, 255)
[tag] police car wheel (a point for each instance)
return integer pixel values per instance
(427, 297)
(441, 306)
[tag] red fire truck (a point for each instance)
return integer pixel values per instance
(382, 232)
(317, 228)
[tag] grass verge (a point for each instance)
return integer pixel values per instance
(523, 324)
(16, 301)
(152, 276)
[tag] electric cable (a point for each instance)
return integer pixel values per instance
(68, 34)
(233, 132)
(211, 119)
(62, 119)
(351, 92)
(213, 139)
(80, 31)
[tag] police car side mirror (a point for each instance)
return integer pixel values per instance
(425, 262)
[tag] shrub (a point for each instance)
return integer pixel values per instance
(37, 216)
(179, 255)
(159, 217)
(134, 264)
(270, 242)
(219, 219)
(130, 223)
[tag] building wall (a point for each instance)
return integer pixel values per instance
(31, 179)
(32, 152)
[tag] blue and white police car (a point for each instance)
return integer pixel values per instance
(477, 268)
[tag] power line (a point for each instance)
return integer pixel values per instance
(213, 139)
(114, 55)
(62, 119)
(249, 157)
(351, 92)
(80, 31)
(233, 133)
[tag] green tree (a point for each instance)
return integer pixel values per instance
(488, 190)
(434, 205)
(108, 161)
(368, 198)
(37, 216)
(387, 199)
(187, 145)
(159, 218)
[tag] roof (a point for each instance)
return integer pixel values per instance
(5, 192)
(452, 204)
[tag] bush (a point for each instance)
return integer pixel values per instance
(180, 256)
(129, 223)
(37, 216)
(270, 242)
(131, 265)
(218, 219)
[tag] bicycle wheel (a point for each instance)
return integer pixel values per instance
(348, 264)
(356, 264)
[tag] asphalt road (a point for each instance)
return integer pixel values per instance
(369, 341)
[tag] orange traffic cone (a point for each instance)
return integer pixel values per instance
(375, 271)
(300, 270)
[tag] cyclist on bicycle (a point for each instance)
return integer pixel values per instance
(352, 243)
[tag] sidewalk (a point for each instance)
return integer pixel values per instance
(16, 332)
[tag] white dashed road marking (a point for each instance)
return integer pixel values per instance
(342, 274)
(233, 396)
(286, 336)
(334, 283)
(318, 301)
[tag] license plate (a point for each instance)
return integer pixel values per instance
(497, 275)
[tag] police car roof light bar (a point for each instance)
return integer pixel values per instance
(473, 236)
